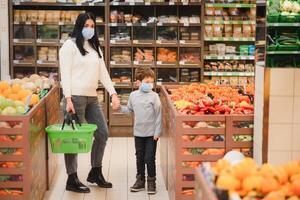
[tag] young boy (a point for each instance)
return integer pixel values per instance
(146, 106)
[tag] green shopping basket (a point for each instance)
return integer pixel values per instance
(71, 138)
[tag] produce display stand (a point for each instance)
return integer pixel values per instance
(202, 190)
(181, 166)
(52, 116)
(25, 174)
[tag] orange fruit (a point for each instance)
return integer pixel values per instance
(16, 88)
(7, 92)
(4, 85)
(34, 99)
(23, 94)
(13, 97)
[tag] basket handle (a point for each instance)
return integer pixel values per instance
(70, 119)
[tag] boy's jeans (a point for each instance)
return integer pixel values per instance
(88, 108)
(145, 155)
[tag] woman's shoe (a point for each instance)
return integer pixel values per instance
(74, 184)
(139, 184)
(96, 176)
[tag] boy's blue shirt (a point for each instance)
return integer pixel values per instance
(147, 113)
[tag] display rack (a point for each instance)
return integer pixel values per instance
(27, 167)
(229, 38)
(182, 150)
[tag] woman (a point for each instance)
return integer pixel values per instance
(81, 67)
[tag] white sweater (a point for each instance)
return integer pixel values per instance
(80, 74)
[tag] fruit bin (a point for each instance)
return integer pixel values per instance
(23, 168)
(191, 140)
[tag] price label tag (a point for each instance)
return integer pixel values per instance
(136, 62)
(251, 57)
(16, 23)
(116, 3)
(16, 40)
(132, 3)
(128, 24)
(113, 41)
(39, 62)
(182, 41)
(208, 57)
(27, 102)
(135, 41)
(113, 24)
(186, 24)
(144, 24)
(17, 3)
(39, 23)
(159, 24)
(229, 74)
(185, 3)
(171, 3)
(61, 23)
(28, 23)
(147, 3)
(159, 62)
(243, 57)
(158, 83)
(39, 40)
(113, 62)
(158, 41)
(225, 57)
(16, 61)
(182, 62)
(91, 4)
(236, 39)
(78, 4)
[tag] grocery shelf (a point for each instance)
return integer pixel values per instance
(283, 24)
(230, 5)
(58, 4)
(230, 39)
(153, 3)
(229, 22)
(229, 74)
(283, 52)
(229, 57)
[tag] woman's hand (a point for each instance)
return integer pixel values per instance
(70, 106)
(115, 102)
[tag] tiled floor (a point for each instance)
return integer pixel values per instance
(119, 168)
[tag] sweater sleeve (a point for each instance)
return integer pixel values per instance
(66, 55)
(104, 77)
(158, 115)
(128, 109)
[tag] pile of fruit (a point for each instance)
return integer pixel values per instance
(11, 151)
(203, 138)
(204, 99)
(201, 151)
(13, 192)
(11, 164)
(14, 95)
(251, 182)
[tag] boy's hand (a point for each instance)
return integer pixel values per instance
(155, 138)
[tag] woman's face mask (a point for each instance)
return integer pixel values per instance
(146, 87)
(88, 33)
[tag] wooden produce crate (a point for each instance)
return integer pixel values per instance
(52, 103)
(202, 189)
(192, 140)
(29, 164)
(23, 168)
(239, 134)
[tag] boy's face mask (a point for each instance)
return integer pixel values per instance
(146, 87)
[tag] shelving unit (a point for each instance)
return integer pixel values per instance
(228, 29)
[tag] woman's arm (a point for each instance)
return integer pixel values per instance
(66, 56)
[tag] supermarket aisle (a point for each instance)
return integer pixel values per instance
(119, 167)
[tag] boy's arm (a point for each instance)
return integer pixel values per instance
(158, 116)
(127, 109)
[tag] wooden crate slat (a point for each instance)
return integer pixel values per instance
(11, 158)
(11, 184)
(203, 144)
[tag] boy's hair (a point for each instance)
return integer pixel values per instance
(144, 72)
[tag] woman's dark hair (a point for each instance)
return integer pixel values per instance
(77, 33)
